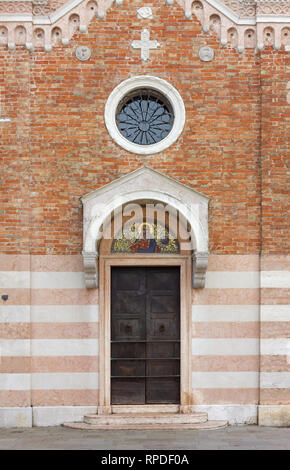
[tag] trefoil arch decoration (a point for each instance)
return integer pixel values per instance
(56, 21)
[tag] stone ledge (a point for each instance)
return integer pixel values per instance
(15, 417)
(274, 415)
(234, 414)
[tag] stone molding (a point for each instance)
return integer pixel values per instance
(144, 184)
(251, 24)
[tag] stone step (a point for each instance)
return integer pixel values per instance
(145, 418)
(207, 426)
(116, 409)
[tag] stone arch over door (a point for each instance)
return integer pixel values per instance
(139, 185)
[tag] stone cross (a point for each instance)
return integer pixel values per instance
(145, 44)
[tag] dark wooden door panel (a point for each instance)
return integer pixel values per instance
(145, 335)
(163, 279)
(159, 329)
(128, 368)
(128, 350)
(128, 302)
(163, 349)
(164, 367)
(128, 391)
(163, 302)
(163, 390)
(128, 328)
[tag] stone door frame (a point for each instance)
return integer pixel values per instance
(106, 262)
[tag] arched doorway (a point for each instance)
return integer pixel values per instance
(110, 258)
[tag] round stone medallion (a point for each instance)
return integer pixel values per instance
(144, 13)
(206, 54)
(83, 53)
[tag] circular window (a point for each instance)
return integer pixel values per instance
(145, 117)
(144, 114)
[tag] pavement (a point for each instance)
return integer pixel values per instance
(230, 438)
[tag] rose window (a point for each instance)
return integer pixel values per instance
(145, 117)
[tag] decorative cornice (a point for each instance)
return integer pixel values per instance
(241, 24)
(251, 24)
(46, 23)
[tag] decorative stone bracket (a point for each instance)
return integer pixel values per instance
(91, 269)
(199, 267)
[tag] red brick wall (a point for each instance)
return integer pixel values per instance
(57, 148)
(14, 152)
(275, 151)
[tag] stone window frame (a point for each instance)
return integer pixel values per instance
(161, 86)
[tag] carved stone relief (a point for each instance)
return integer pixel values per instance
(144, 13)
(206, 54)
(83, 53)
(264, 21)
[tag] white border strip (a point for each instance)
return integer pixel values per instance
(275, 380)
(42, 279)
(275, 313)
(225, 313)
(64, 347)
(14, 347)
(65, 381)
(15, 313)
(275, 279)
(64, 313)
(14, 381)
(275, 347)
(225, 379)
(232, 280)
(225, 347)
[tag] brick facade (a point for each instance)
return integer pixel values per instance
(234, 149)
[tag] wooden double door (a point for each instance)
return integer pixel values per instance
(145, 335)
